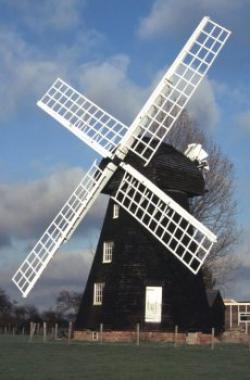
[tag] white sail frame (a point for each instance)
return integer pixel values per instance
(62, 227)
(181, 233)
(170, 97)
(86, 120)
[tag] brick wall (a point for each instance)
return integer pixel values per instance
(145, 336)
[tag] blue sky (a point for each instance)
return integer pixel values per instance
(114, 52)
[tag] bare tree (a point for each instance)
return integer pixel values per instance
(5, 308)
(67, 303)
(217, 208)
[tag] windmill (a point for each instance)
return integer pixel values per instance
(179, 233)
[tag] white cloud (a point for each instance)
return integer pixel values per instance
(167, 16)
(203, 106)
(41, 15)
(108, 84)
(27, 209)
(23, 71)
(26, 71)
(243, 120)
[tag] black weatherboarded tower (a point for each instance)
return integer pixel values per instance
(134, 279)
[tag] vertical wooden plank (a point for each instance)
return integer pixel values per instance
(69, 331)
(137, 334)
(101, 332)
(175, 336)
(238, 315)
(56, 331)
(212, 339)
(44, 332)
(32, 330)
(230, 316)
(30, 337)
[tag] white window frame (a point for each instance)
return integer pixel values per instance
(98, 293)
(116, 210)
(244, 314)
(108, 247)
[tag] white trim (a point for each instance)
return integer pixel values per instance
(237, 303)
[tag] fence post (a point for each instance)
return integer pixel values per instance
(137, 334)
(175, 336)
(69, 331)
(212, 339)
(32, 330)
(44, 332)
(56, 331)
(101, 333)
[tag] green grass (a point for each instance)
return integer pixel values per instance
(21, 360)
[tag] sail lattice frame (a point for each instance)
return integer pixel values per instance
(59, 231)
(182, 234)
(175, 89)
(83, 118)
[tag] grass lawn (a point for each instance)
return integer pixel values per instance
(21, 360)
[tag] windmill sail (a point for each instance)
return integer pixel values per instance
(83, 118)
(172, 94)
(104, 133)
(62, 227)
(183, 235)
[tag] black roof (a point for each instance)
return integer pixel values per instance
(212, 294)
(169, 169)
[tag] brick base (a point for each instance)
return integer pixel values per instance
(145, 336)
(235, 337)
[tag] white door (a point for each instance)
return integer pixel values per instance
(153, 304)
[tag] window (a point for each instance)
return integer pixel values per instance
(107, 251)
(245, 317)
(153, 304)
(115, 211)
(98, 293)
